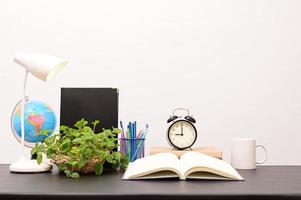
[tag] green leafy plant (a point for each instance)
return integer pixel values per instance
(80, 150)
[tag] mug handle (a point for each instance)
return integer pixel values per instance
(265, 151)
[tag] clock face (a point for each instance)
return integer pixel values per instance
(181, 134)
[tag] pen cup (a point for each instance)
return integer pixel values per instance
(132, 148)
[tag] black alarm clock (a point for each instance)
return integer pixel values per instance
(181, 133)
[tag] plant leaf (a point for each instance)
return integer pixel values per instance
(98, 169)
(77, 141)
(67, 172)
(49, 140)
(63, 128)
(39, 158)
(117, 155)
(74, 175)
(61, 166)
(74, 163)
(82, 161)
(44, 132)
(116, 130)
(94, 124)
(65, 146)
(33, 151)
(50, 151)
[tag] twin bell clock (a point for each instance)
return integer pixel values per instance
(181, 133)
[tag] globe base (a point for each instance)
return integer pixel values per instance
(29, 166)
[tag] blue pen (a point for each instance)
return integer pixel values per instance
(143, 135)
(133, 140)
(140, 143)
(135, 136)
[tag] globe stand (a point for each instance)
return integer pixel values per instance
(29, 166)
(26, 165)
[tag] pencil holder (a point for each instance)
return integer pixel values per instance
(132, 148)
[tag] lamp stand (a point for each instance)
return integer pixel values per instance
(25, 165)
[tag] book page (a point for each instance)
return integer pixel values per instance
(149, 166)
(193, 162)
(206, 175)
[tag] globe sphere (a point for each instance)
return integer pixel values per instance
(38, 118)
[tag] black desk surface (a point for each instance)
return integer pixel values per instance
(274, 182)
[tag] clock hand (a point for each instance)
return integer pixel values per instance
(182, 129)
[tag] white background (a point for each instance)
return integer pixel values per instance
(235, 64)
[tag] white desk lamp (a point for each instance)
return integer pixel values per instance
(43, 67)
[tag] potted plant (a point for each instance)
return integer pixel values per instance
(81, 150)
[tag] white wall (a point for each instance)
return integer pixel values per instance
(235, 64)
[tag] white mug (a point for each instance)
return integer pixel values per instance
(243, 153)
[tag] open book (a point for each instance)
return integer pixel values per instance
(191, 165)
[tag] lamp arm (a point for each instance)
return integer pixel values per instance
(22, 116)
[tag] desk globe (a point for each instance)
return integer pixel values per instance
(38, 117)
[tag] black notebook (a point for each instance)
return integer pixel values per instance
(91, 104)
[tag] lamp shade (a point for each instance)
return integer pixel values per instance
(44, 67)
